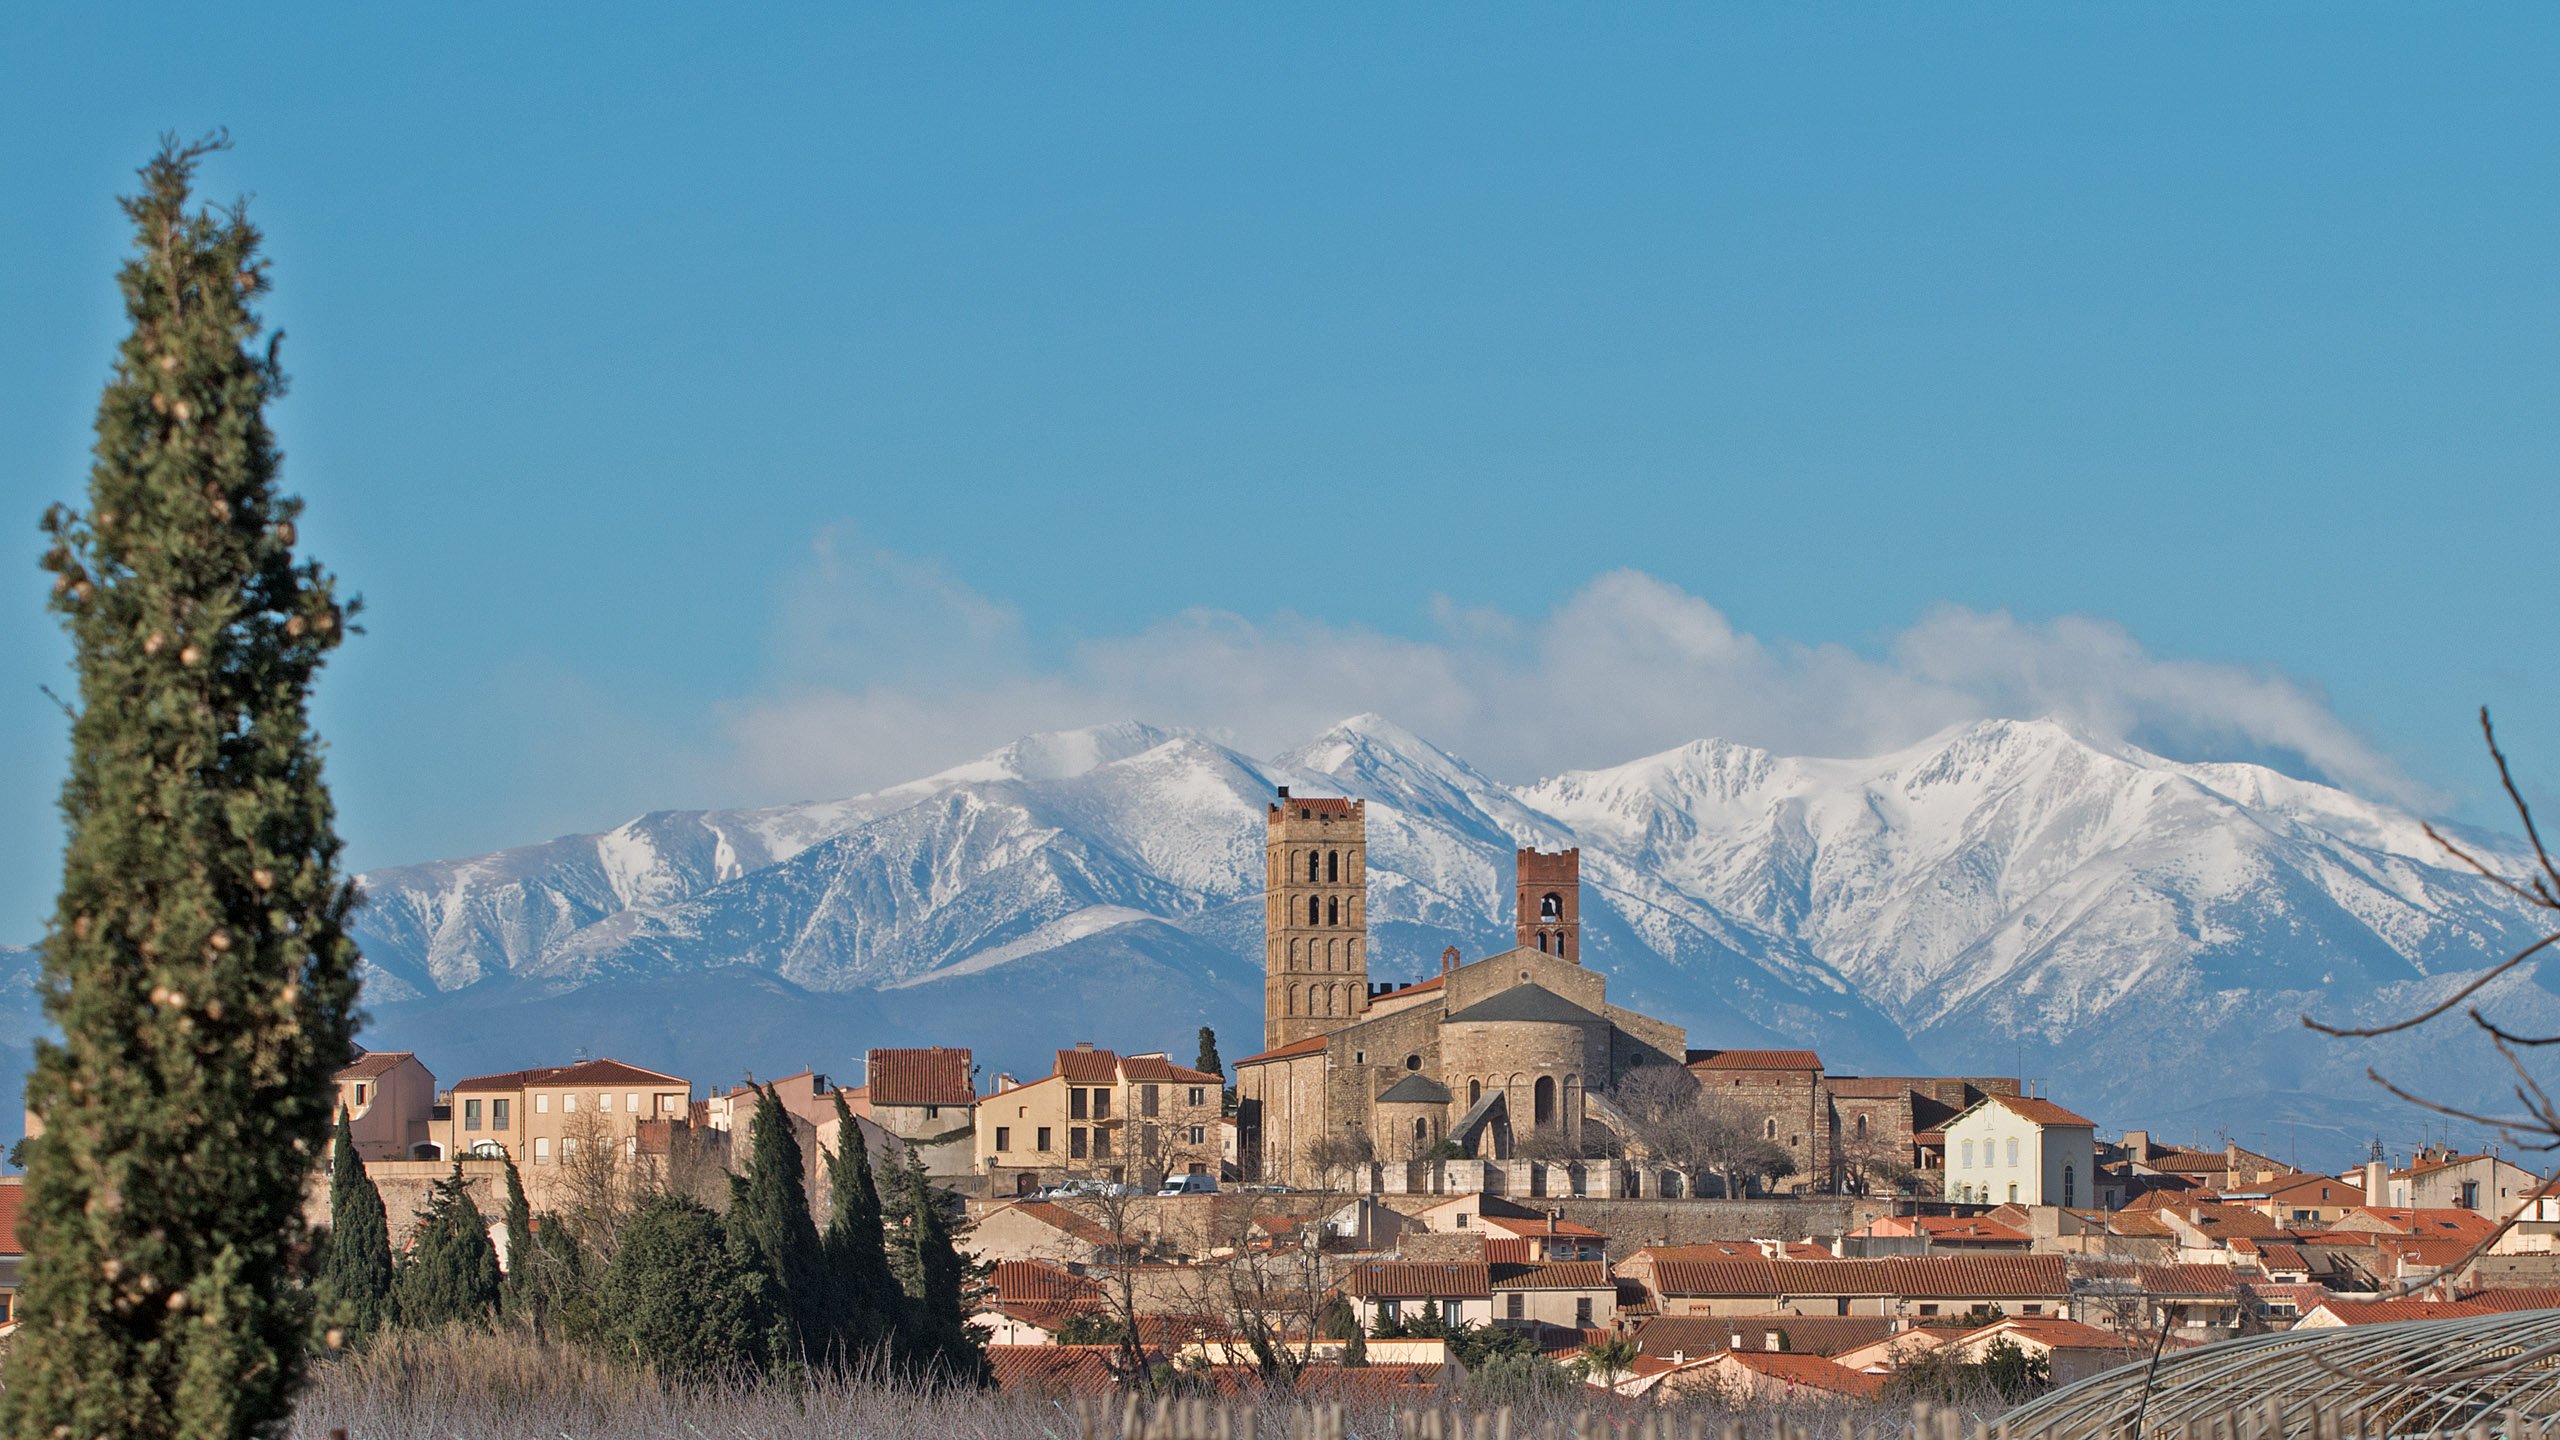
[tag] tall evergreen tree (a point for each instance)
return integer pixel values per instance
(451, 1275)
(867, 1298)
(939, 1337)
(520, 1291)
(678, 1297)
(197, 966)
(1209, 1060)
(904, 1226)
(772, 1232)
(353, 1292)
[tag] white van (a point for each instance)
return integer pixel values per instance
(1189, 1185)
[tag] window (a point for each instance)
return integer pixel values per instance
(1413, 1062)
(1004, 1137)
(1452, 1312)
(933, 1112)
(1076, 1103)
(604, 1103)
(1475, 1091)
(568, 1149)
(541, 1150)
(631, 1145)
(1333, 911)
(498, 1113)
(1968, 1154)
(2034, 1309)
(631, 1103)
(1076, 1141)
(1551, 907)
(1582, 1313)
(1101, 1144)
(1311, 872)
(470, 1114)
(542, 1104)
(1147, 1101)
(1862, 1127)
(1769, 1130)
(1333, 865)
(1315, 911)
(360, 1089)
(2013, 1152)
(1149, 1141)
(2067, 1197)
(2470, 1197)
(1928, 1309)
(1042, 1135)
(1197, 1095)
(1514, 1306)
(1101, 1104)
(1462, 1220)
(1197, 1135)
(568, 1104)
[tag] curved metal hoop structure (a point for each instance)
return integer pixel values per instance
(2413, 1378)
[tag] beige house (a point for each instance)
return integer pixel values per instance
(543, 1117)
(390, 1102)
(928, 1098)
(1131, 1118)
(2439, 1179)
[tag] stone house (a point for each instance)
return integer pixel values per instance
(926, 1097)
(2020, 1151)
(390, 1100)
(542, 1116)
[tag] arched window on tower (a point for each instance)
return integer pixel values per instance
(1333, 865)
(1559, 944)
(1315, 911)
(1862, 1127)
(1333, 911)
(1542, 942)
(1542, 1102)
(1311, 865)
(1552, 907)
(1293, 1000)
(1770, 1131)
(1475, 1091)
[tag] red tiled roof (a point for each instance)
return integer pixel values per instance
(1313, 805)
(1059, 1217)
(1810, 1372)
(1980, 1277)
(1088, 1067)
(1416, 1280)
(1554, 1275)
(2534, 1297)
(1054, 1369)
(374, 1064)
(1757, 1060)
(1158, 1068)
(2061, 1334)
(1518, 1225)
(935, 1076)
(2213, 1280)
(1038, 1282)
(13, 1195)
(585, 1072)
(1697, 1335)
(1312, 1045)
(2382, 1312)
(2042, 1112)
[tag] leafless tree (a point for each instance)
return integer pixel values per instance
(1334, 1159)
(1263, 1283)
(2535, 1122)
(1680, 1123)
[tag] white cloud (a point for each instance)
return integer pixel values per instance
(888, 668)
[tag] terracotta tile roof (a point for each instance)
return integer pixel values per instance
(1088, 1067)
(2425, 1252)
(2061, 1334)
(2436, 1223)
(1158, 1068)
(374, 1064)
(2325, 1186)
(1541, 1226)
(1697, 1335)
(1038, 1282)
(1053, 1369)
(2383, 1312)
(2536, 1297)
(936, 1076)
(585, 1072)
(1554, 1275)
(1756, 1060)
(2224, 1221)
(2042, 1112)
(2187, 1280)
(1310, 806)
(1413, 1280)
(1810, 1372)
(1506, 1250)
(1980, 1277)
(2283, 1257)
(13, 1196)
(1312, 1045)
(1933, 1277)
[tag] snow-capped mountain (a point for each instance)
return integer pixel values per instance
(2140, 935)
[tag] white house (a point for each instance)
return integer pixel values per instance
(2009, 1150)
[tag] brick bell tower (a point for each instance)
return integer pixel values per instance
(1315, 922)
(1550, 891)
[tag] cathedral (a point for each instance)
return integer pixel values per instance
(1518, 1048)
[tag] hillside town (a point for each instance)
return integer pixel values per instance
(1499, 1150)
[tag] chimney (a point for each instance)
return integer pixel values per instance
(1284, 792)
(2230, 1155)
(1448, 959)
(1679, 1357)
(2137, 1146)
(1085, 1046)
(2377, 1183)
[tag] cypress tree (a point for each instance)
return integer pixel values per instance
(451, 1275)
(1209, 1060)
(353, 1293)
(867, 1298)
(940, 1337)
(772, 1232)
(197, 966)
(906, 1225)
(519, 1292)
(677, 1296)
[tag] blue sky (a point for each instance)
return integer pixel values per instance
(717, 411)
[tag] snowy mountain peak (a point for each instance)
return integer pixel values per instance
(1054, 755)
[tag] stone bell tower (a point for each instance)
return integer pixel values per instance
(1315, 921)
(1550, 891)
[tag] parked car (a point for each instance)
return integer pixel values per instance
(1189, 1185)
